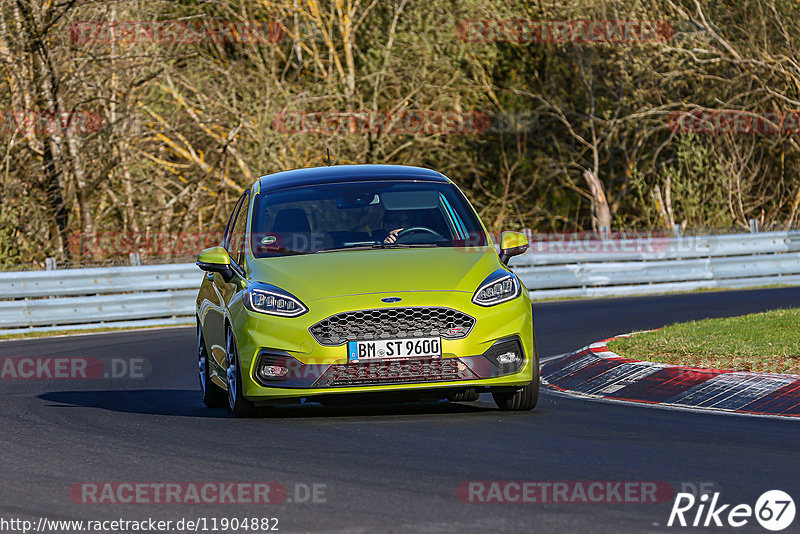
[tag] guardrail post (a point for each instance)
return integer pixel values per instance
(50, 264)
(677, 230)
(134, 258)
(754, 226)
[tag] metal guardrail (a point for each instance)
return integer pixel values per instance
(98, 280)
(98, 297)
(647, 265)
(165, 294)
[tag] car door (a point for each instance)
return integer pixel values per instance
(219, 296)
(234, 243)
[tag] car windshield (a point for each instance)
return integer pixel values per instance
(362, 215)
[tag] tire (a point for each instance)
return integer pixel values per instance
(237, 403)
(213, 395)
(525, 398)
(467, 395)
(522, 400)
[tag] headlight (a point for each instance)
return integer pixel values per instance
(268, 299)
(500, 286)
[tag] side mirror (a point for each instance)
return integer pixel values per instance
(216, 260)
(512, 244)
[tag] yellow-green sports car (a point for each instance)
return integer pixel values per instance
(359, 283)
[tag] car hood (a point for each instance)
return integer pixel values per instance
(334, 274)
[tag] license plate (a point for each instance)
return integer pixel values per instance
(387, 349)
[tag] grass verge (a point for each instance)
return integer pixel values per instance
(763, 342)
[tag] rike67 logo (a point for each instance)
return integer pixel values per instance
(774, 510)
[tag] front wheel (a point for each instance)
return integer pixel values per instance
(238, 404)
(521, 400)
(525, 398)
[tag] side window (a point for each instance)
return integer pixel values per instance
(236, 249)
(226, 237)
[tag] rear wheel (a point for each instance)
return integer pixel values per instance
(213, 395)
(239, 406)
(465, 395)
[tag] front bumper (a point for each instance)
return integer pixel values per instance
(314, 369)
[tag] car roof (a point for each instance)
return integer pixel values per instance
(347, 173)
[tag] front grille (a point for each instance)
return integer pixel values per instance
(392, 323)
(395, 372)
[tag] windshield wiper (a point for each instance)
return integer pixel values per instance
(352, 247)
(374, 246)
(406, 245)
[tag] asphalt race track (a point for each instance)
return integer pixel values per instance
(388, 468)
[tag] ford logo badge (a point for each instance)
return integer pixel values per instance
(391, 300)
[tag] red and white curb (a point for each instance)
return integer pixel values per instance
(597, 372)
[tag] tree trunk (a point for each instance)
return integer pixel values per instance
(601, 213)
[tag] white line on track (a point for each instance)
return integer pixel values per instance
(557, 356)
(672, 407)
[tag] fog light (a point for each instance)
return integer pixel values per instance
(507, 358)
(272, 371)
(506, 355)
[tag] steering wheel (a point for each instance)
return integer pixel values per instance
(413, 230)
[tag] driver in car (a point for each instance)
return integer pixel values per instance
(394, 222)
